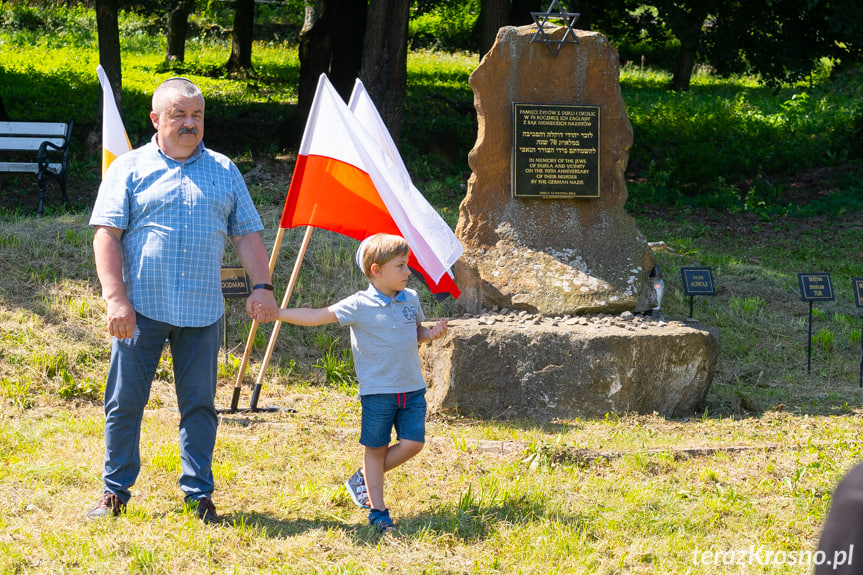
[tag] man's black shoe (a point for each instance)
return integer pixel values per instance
(207, 511)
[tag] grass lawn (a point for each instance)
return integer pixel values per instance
(741, 486)
(628, 493)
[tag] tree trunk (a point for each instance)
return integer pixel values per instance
(108, 29)
(348, 43)
(494, 15)
(315, 51)
(240, 61)
(332, 44)
(384, 72)
(4, 116)
(178, 20)
(684, 65)
(687, 27)
(582, 8)
(519, 12)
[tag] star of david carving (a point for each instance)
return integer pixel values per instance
(541, 18)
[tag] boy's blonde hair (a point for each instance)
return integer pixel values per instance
(379, 249)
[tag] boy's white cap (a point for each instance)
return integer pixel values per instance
(360, 251)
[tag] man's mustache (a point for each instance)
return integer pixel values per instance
(185, 130)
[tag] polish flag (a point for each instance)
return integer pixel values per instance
(350, 179)
(115, 142)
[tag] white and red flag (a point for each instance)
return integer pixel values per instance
(350, 179)
(115, 142)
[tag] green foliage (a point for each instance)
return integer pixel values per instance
(288, 13)
(447, 25)
(260, 340)
(823, 340)
(338, 367)
(724, 143)
(439, 125)
(87, 388)
(747, 305)
(17, 391)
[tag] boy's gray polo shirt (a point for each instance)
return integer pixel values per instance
(383, 339)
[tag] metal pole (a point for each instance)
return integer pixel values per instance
(861, 357)
(692, 297)
(809, 349)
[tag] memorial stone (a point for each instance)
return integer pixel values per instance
(551, 276)
(543, 222)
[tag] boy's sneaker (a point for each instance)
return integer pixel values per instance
(356, 485)
(381, 520)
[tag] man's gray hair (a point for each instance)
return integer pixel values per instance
(179, 85)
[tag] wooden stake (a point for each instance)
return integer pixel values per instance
(238, 384)
(273, 336)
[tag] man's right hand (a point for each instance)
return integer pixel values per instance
(108, 253)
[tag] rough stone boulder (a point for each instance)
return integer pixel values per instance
(549, 256)
(543, 368)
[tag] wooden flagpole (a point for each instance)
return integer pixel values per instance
(238, 384)
(256, 391)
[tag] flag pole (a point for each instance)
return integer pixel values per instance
(238, 384)
(253, 404)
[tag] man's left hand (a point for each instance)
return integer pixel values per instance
(267, 308)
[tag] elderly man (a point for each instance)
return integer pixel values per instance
(161, 217)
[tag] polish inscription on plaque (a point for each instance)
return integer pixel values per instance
(555, 151)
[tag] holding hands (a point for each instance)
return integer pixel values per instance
(258, 312)
(262, 306)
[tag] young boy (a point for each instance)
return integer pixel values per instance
(386, 325)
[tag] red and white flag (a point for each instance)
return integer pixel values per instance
(115, 142)
(350, 179)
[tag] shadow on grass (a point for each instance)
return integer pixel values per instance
(274, 527)
(473, 518)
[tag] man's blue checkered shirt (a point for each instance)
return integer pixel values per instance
(176, 217)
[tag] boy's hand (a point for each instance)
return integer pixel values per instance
(257, 312)
(438, 330)
(262, 306)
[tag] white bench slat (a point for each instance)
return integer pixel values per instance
(27, 167)
(27, 144)
(33, 128)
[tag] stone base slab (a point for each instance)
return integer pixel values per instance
(569, 370)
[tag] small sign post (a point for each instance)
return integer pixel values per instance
(858, 298)
(697, 281)
(814, 287)
(235, 284)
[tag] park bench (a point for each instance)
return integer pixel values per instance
(44, 144)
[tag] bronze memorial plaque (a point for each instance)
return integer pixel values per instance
(555, 151)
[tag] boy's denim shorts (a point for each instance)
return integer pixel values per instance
(382, 411)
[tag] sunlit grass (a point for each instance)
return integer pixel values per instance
(626, 493)
(441, 69)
